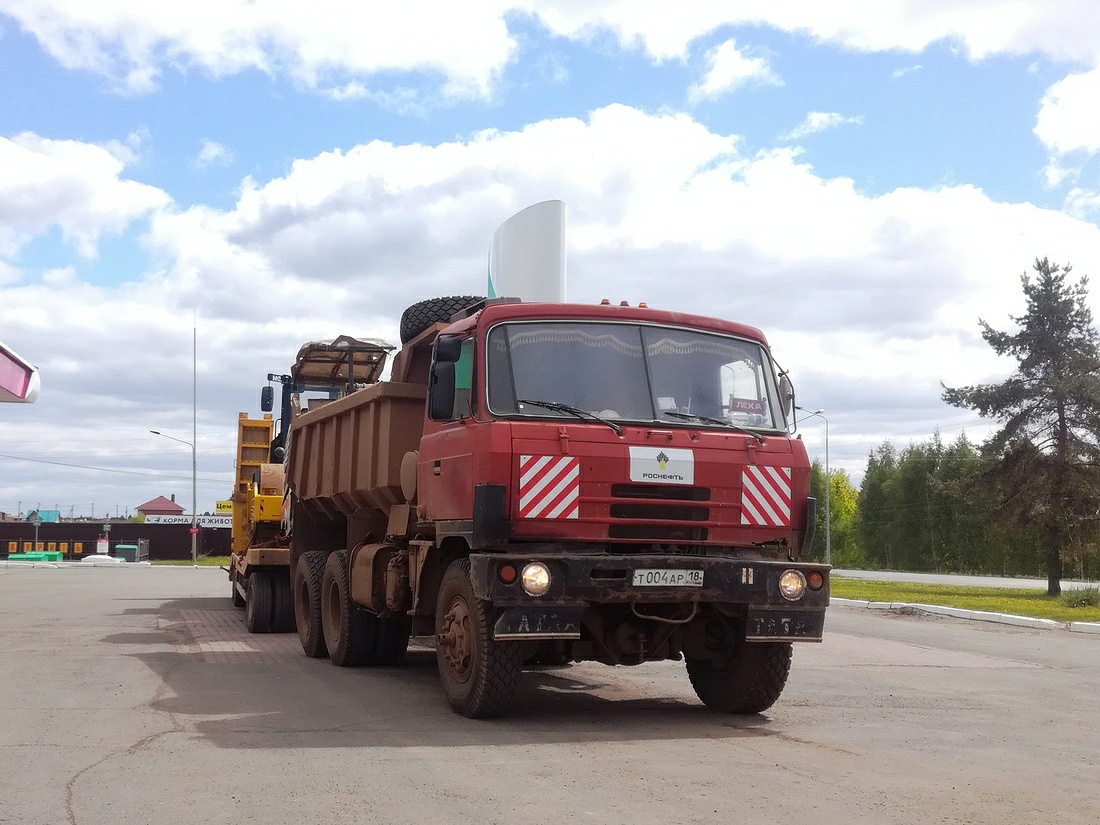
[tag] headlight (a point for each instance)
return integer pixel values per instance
(536, 578)
(792, 584)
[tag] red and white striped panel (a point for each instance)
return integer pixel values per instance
(766, 496)
(549, 486)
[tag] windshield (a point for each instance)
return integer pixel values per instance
(635, 372)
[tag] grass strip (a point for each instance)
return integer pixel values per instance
(204, 561)
(1022, 602)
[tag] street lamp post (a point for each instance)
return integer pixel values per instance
(828, 483)
(194, 493)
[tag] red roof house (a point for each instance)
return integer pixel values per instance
(160, 506)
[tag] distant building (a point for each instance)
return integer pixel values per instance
(47, 516)
(160, 506)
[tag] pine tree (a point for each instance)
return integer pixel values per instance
(1046, 452)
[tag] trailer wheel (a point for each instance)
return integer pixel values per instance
(282, 611)
(258, 606)
(423, 314)
(349, 632)
(391, 640)
(234, 594)
(750, 681)
(479, 675)
(306, 592)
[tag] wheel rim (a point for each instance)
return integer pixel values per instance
(458, 639)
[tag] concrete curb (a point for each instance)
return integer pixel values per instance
(975, 615)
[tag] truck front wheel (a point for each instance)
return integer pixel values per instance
(749, 680)
(478, 674)
(306, 587)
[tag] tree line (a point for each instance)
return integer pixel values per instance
(1026, 502)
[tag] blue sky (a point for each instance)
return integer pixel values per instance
(862, 186)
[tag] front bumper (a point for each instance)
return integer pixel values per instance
(582, 582)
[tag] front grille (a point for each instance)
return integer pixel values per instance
(657, 532)
(654, 506)
(663, 512)
(664, 492)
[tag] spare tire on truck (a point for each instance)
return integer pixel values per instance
(423, 314)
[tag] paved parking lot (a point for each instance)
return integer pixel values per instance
(135, 696)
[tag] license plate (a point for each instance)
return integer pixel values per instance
(668, 578)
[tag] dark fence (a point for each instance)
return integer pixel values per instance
(78, 539)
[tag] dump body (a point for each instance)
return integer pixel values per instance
(346, 455)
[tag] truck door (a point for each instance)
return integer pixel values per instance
(446, 473)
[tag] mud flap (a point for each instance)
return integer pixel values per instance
(542, 622)
(784, 625)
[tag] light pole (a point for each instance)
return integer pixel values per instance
(828, 483)
(194, 493)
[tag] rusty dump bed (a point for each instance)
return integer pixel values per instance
(347, 454)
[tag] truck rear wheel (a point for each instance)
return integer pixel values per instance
(749, 681)
(306, 592)
(423, 314)
(258, 607)
(282, 609)
(479, 675)
(350, 635)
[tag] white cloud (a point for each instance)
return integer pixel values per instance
(1083, 203)
(899, 73)
(730, 68)
(1064, 30)
(212, 153)
(816, 122)
(463, 45)
(870, 301)
(468, 44)
(1068, 119)
(77, 187)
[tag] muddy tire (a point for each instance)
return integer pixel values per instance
(750, 681)
(422, 315)
(258, 606)
(478, 674)
(306, 598)
(391, 640)
(282, 609)
(349, 632)
(234, 594)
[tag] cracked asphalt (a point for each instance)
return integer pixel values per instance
(134, 695)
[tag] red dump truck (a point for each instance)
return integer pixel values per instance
(540, 484)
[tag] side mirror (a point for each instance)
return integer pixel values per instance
(441, 391)
(448, 350)
(786, 395)
(267, 398)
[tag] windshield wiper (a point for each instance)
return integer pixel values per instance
(569, 408)
(719, 421)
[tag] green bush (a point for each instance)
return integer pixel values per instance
(1082, 597)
